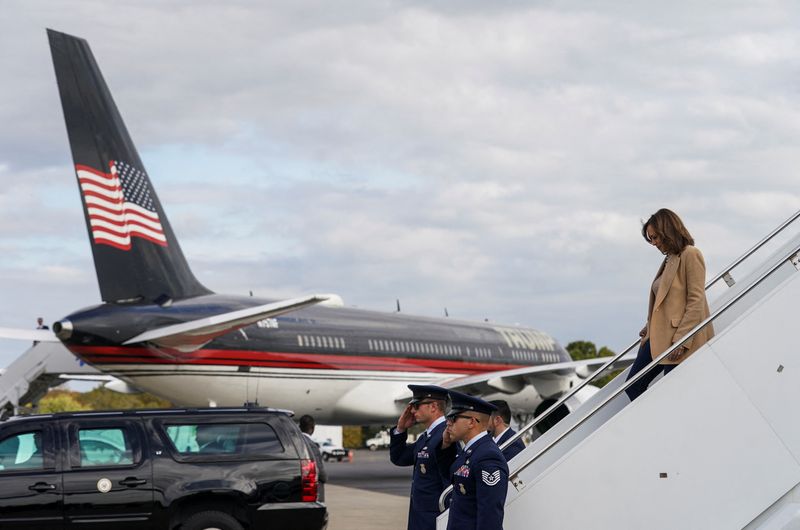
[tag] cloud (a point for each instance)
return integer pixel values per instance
(496, 158)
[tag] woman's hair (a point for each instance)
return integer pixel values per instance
(670, 229)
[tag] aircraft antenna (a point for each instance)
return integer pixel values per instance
(398, 305)
(446, 313)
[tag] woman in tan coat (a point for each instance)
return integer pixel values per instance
(677, 299)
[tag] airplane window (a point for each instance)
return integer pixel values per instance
(344, 344)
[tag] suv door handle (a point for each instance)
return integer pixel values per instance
(132, 481)
(41, 487)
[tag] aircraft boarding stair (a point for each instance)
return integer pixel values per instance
(714, 445)
(33, 373)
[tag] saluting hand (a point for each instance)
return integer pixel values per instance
(406, 419)
(447, 438)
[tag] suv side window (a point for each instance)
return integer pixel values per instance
(22, 451)
(104, 447)
(224, 439)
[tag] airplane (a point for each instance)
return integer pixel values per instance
(160, 330)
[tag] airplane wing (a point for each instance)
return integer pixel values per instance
(38, 335)
(193, 335)
(513, 381)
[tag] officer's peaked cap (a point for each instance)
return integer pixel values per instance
(423, 392)
(462, 402)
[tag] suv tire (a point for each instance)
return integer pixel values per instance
(211, 521)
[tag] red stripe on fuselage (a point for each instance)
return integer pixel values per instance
(326, 361)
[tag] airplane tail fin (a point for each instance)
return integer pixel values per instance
(136, 254)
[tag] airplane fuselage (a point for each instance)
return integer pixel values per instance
(340, 364)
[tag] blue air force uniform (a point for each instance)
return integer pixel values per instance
(427, 483)
(479, 475)
(512, 450)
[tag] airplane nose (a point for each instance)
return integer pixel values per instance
(63, 329)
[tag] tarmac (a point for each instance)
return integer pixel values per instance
(368, 493)
(358, 509)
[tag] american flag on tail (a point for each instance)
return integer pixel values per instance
(119, 205)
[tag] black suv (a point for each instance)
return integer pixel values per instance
(191, 469)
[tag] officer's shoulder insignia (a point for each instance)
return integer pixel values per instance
(490, 479)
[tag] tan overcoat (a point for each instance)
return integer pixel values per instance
(679, 305)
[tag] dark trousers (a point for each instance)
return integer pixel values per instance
(643, 358)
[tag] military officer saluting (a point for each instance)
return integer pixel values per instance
(427, 407)
(478, 472)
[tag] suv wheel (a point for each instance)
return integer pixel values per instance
(211, 521)
(373, 447)
(326, 456)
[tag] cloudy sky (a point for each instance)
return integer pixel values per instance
(494, 158)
